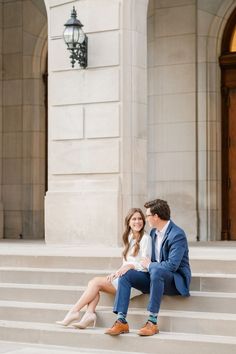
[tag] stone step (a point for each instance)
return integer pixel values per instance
(73, 277)
(27, 348)
(214, 282)
(58, 294)
(48, 276)
(169, 321)
(63, 261)
(166, 342)
(198, 301)
(108, 263)
(213, 266)
(203, 259)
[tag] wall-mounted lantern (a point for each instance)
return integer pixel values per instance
(76, 40)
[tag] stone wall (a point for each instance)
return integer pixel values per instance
(1, 206)
(23, 134)
(142, 121)
(172, 108)
(83, 203)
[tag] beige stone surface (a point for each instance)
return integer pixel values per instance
(33, 19)
(176, 107)
(12, 145)
(12, 66)
(13, 224)
(67, 217)
(12, 92)
(172, 79)
(21, 39)
(169, 166)
(174, 50)
(85, 156)
(175, 21)
(1, 220)
(90, 13)
(33, 117)
(91, 86)
(67, 122)
(10, 8)
(102, 120)
(12, 40)
(171, 3)
(169, 137)
(12, 119)
(134, 106)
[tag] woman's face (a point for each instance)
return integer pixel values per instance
(136, 222)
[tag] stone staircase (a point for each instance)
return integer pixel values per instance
(38, 284)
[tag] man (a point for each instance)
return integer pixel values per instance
(168, 270)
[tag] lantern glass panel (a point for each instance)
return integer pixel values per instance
(71, 36)
(68, 35)
(81, 36)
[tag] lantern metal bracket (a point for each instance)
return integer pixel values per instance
(79, 54)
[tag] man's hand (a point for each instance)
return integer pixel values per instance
(145, 262)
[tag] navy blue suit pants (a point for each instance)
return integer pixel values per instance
(158, 282)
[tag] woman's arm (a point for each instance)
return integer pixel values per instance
(144, 251)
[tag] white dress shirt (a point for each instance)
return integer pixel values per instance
(145, 250)
(160, 236)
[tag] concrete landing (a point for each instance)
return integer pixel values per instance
(24, 348)
(203, 250)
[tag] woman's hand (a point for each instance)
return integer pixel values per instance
(121, 271)
(145, 262)
(111, 277)
(124, 269)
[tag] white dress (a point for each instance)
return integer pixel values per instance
(145, 250)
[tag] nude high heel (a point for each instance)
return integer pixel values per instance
(70, 317)
(88, 320)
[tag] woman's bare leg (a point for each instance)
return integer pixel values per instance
(93, 304)
(91, 296)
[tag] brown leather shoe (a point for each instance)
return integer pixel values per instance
(149, 329)
(118, 328)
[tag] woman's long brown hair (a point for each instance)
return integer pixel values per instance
(127, 232)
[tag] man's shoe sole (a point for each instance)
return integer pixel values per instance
(117, 334)
(147, 335)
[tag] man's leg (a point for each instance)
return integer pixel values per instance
(161, 282)
(133, 278)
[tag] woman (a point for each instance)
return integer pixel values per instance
(137, 244)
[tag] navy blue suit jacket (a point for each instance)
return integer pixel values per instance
(174, 257)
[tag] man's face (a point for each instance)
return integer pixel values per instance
(150, 218)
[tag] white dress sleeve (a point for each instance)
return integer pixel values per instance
(144, 251)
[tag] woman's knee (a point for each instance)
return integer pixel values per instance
(96, 281)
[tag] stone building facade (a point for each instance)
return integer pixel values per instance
(143, 120)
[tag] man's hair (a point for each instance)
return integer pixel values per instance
(159, 207)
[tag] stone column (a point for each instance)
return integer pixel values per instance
(172, 151)
(23, 154)
(1, 206)
(84, 198)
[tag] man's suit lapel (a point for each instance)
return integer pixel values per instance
(165, 237)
